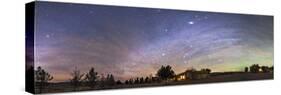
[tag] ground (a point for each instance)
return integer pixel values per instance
(228, 77)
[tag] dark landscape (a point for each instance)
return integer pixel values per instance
(164, 77)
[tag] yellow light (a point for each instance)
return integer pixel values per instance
(182, 77)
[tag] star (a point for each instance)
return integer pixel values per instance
(190, 22)
(184, 56)
(163, 54)
(47, 36)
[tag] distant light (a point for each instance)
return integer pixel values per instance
(163, 54)
(47, 36)
(191, 22)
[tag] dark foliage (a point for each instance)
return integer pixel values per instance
(265, 69)
(91, 77)
(76, 78)
(110, 80)
(255, 68)
(137, 81)
(271, 68)
(41, 78)
(141, 80)
(246, 69)
(126, 82)
(206, 70)
(165, 72)
(146, 80)
(118, 82)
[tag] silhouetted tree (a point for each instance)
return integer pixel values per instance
(131, 81)
(76, 78)
(137, 81)
(271, 68)
(146, 80)
(206, 70)
(265, 69)
(254, 68)
(126, 82)
(165, 73)
(118, 82)
(91, 77)
(246, 69)
(141, 80)
(102, 81)
(110, 80)
(42, 77)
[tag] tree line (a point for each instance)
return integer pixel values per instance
(93, 79)
(90, 78)
(255, 68)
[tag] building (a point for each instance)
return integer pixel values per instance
(193, 74)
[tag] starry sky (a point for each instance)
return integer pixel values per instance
(134, 42)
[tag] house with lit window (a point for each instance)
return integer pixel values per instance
(192, 74)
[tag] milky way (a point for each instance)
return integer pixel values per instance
(132, 42)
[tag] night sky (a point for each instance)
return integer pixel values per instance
(135, 42)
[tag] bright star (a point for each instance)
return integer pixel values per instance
(190, 22)
(163, 54)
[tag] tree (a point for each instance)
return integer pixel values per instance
(246, 69)
(146, 80)
(137, 81)
(165, 72)
(141, 80)
(110, 80)
(76, 78)
(206, 70)
(126, 82)
(265, 69)
(91, 77)
(271, 69)
(254, 68)
(131, 81)
(118, 82)
(102, 80)
(42, 77)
